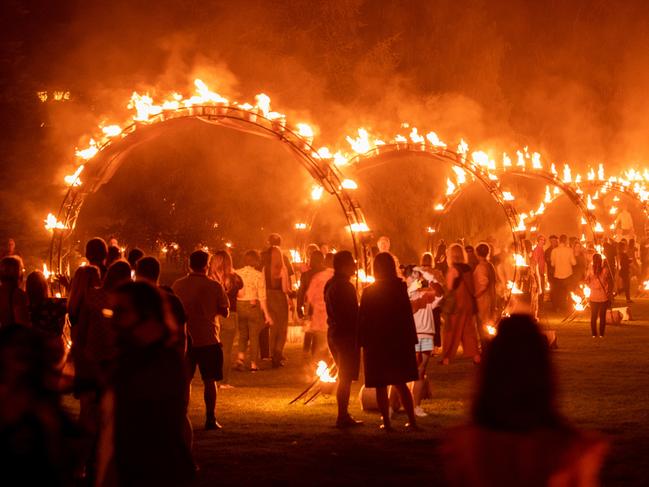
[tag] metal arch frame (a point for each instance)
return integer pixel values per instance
(616, 187)
(103, 165)
(458, 160)
(567, 188)
(450, 157)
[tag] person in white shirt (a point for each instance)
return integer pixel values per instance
(422, 300)
(563, 260)
(624, 222)
(253, 312)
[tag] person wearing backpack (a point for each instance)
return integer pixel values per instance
(459, 309)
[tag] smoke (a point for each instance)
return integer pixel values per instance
(568, 80)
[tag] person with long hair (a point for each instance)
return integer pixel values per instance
(484, 278)
(599, 281)
(252, 310)
(459, 308)
(222, 271)
(516, 435)
(625, 269)
(13, 300)
(388, 336)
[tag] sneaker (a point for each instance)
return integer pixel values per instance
(419, 412)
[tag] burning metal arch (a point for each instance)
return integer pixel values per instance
(617, 187)
(449, 157)
(111, 154)
(572, 192)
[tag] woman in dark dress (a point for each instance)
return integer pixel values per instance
(388, 336)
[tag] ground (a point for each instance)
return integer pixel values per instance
(604, 387)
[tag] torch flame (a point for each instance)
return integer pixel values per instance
(323, 373)
(73, 179)
(51, 223)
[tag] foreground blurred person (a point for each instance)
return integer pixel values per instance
(517, 436)
(13, 300)
(148, 395)
(388, 336)
(38, 443)
(204, 300)
(342, 334)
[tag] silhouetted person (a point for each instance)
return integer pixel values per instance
(38, 442)
(114, 254)
(342, 333)
(440, 258)
(459, 308)
(133, 256)
(46, 314)
(222, 271)
(96, 254)
(624, 270)
(277, 271)
(204, 300)
(149, 385)
(148, 270)
(13, 300)
(517, 436)
(388, 336)
(10, 250)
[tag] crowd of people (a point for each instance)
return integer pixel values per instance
(135, 345)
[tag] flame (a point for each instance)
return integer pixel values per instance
(514, 288)
(323, 373)
(507, 162)
(46, 272)
(305, 131)
(480, 158)
(262, 102)
(541, 209)
(507, 196)
(548, 196)
(520, 159)
(645, 285)
(89, 152)
(521, 223)
(536, 161)
(301, 226)
(462, 147)
(578, 302)
(460, 175)
(359, 227)
(360, 144)
(600, 172)
(598, 228)
(589, 203)
(73, 179)
(430, 230)
(363, 277)
(111, 130)
(316, 192)
(434, 140)
(612, 210)
(491, 330)
(296, 258)
(415, 137)
(439, 207)
(349, 184)
(51, 223)
(450, 187)
(567, 175)
(519, 261)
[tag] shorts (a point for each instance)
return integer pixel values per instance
(347, 357)
(208, 359)
(425, 344)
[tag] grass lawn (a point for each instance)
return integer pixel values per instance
(604, 386)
